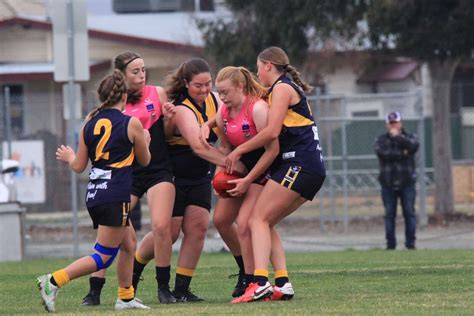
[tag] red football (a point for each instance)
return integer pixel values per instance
(220, 184)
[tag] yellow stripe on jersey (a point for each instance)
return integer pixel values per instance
(290, 177)
(293, 119)
(124, 163)
(211, 110)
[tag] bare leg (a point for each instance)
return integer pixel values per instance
(225, 213)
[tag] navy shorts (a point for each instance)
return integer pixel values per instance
(296, 178)
(142, 181)
(115, 214)
(191, 194)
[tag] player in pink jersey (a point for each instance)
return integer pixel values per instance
(149, 104)
(242, 117)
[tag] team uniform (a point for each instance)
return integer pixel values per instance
(192, 173)
(299, 166)
(110, 177)
(239, 130)
(148, 111)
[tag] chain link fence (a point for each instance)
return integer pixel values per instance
(348, 127)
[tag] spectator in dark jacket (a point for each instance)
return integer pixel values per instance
(396, 152)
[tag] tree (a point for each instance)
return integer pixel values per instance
(438, 32)
(293, 25)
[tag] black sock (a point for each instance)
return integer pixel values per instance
(53, 281)
(281, 281)
(163, 277)
(240, 262)
(261, 280)
(138, 267)
(182, 282)
(249, 278)
(96, 285)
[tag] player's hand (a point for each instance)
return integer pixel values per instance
(241, 186)
(169, 110)
(231, 161)
(204, 132)
(65, 153)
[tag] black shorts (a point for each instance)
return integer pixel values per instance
(191, 194)
(296, 178)
(142, 180)
(115, 214)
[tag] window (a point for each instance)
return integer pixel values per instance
(17, 109)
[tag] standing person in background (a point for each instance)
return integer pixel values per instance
(396, 151)
(148, 104)
(190, 89)
(297, 174)
(111, 141)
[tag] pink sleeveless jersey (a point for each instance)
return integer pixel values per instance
(148, 109)
(241, 128)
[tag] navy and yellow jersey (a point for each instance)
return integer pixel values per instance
(112, 155)
(299, 140)
(186, 165)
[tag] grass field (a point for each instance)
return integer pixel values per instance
(349, 282)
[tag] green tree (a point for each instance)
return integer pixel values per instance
(440, 33)
(293, 25)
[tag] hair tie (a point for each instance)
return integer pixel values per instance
(285, 66)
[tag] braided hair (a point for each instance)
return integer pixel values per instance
(280, 60)
(111, 90)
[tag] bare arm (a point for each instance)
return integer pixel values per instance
(76, 162)
(141, 141)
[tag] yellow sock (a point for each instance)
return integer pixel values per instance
(126, 293)
(184, 271)
(261, 272)
(281, 274)
(61, 277)
(140, 259)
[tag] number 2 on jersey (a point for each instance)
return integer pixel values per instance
(107, 125)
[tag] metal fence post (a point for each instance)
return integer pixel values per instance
(421, 160)
(344, 164)
(317, 110)
(8, 123)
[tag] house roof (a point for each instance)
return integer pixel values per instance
(393, 71)
(106, 35)
(39, 71)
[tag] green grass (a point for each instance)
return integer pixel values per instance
(375, 282)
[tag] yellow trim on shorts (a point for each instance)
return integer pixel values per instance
(288, 183)
(125, 211)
